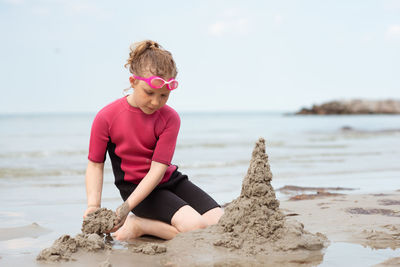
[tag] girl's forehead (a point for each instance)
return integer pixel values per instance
(147, 74)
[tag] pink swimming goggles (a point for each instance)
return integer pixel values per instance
(158, 82)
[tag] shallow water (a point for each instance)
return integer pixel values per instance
(340, 254)
(43, 161)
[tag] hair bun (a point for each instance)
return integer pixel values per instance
(152, 45)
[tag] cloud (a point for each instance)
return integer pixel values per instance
(393, 32)
(14, 2)
(84, 7)
(41, 10)
(278, 19)
(231, 12)
(218, 28)
(232, 26)
(368, 37)
(231, 22)
(391, 5)
(68, 7)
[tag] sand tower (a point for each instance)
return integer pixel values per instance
(253, 222)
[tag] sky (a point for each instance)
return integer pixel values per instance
(67, 56)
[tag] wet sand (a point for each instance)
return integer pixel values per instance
(33, 230)
(361, 219)
(389, 263)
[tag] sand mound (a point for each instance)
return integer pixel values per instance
(94, 227)
(149, 249)
(380, 239)
(99, 222)
(65, 245)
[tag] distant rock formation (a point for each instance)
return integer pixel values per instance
(356, 106)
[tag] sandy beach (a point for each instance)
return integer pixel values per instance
(375, 226)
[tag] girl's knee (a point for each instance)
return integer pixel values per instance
(187, 219)
(201, 223)
(191, 224)
(212, 216)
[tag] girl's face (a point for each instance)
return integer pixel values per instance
(148, 99)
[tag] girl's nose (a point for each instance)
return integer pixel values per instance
(155, 101)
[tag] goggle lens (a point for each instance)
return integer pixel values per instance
(157, 83)
(173, 85)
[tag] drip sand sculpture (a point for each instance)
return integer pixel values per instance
(253, 231)
(254, 221)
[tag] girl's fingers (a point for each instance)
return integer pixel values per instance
(117, 225)
(112, 230)
(122, 212)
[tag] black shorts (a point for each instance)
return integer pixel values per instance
(167, 198)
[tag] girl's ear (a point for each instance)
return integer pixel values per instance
(132, 80)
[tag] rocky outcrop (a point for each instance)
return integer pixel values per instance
(356, 106)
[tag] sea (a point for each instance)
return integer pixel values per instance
(43, 158)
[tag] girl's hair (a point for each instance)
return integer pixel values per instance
(149, 56)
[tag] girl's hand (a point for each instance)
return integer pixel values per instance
(89, 210)
(122, 212)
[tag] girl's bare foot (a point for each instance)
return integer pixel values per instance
(130, 230)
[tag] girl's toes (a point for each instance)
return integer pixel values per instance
(117, 234)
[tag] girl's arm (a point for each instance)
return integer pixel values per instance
(145, 187)
(94, 186)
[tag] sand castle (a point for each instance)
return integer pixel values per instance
(254, 223)
(254, 216)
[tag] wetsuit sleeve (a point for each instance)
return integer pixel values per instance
(166, 142)
(99, 137)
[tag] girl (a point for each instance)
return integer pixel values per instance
(139, 132)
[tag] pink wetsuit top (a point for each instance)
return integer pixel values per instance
(134, 139)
